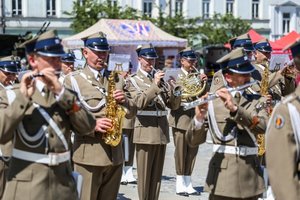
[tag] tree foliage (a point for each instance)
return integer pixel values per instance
(220, 28)
(90, 11)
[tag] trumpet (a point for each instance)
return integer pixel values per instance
(198, 102)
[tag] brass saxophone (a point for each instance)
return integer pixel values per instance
(114, 112)
(264, 86)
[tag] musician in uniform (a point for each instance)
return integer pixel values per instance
(38, 116)
(8, 72)
(67, 65)
(99, 163)
(128, 145)
(185, 156)
(234, 119)
(151, 131)
(279, 84)
(282, 141)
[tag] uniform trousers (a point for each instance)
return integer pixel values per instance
(185, 156)
(129, 133)
(217, 197)
(3, 174)
(99, 182)
(150, 162)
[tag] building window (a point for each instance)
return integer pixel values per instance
(286, 18)
(16, 7)
(51, 8)
(205, 9)
(147, 7)
(112, 3)
(255, 4)
(229, 6)
(178, 7)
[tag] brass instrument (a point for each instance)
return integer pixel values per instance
(198, 102)
(192, 85)
(264, 87)
(114, 112)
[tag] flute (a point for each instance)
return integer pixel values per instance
(198, 102)
(39, 74)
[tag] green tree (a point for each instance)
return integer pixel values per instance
(220, 28)
(177, 25)
(90, 11)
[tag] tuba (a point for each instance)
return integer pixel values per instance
(191, 85)
(114, 112)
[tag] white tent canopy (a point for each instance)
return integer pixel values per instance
(127, 32)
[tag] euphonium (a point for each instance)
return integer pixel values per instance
(114, 112)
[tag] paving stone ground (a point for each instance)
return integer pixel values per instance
(167, 191)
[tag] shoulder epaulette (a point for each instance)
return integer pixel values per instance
(77, 72)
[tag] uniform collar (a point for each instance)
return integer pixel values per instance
(95, 72)
(184, 71)
(40, 85)
(144, 72)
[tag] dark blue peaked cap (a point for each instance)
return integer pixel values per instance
(97, 42)
(243, 41)
(263, 45)
(236, 61)
(147, 51)
(8, 64)
(68, 57)
(188, 53)
(294, 47)
(48, 44)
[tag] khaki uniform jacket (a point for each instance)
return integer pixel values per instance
(149, 97)
(232, 175)
(5, 149)
(92, 150)
(180, 118)
(29, 180)
(282, 150)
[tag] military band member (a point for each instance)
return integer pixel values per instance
(67, 65)
(234, 118)
(151, 130)
(8, 72)
(244, 41)
(279, 85)
(129, 147)
(39, 116)
(179, 120)
(282, 142)
(99, 163)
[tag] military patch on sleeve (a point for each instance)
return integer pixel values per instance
(216, 80)
(278, 121)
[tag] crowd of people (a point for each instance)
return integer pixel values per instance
(58, 139)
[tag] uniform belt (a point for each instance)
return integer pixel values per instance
(157, 113)
(240, 150)
(51, 159)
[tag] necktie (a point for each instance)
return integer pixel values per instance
(46, 92)
(150, 77)
(237, 97)
(100, 78)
